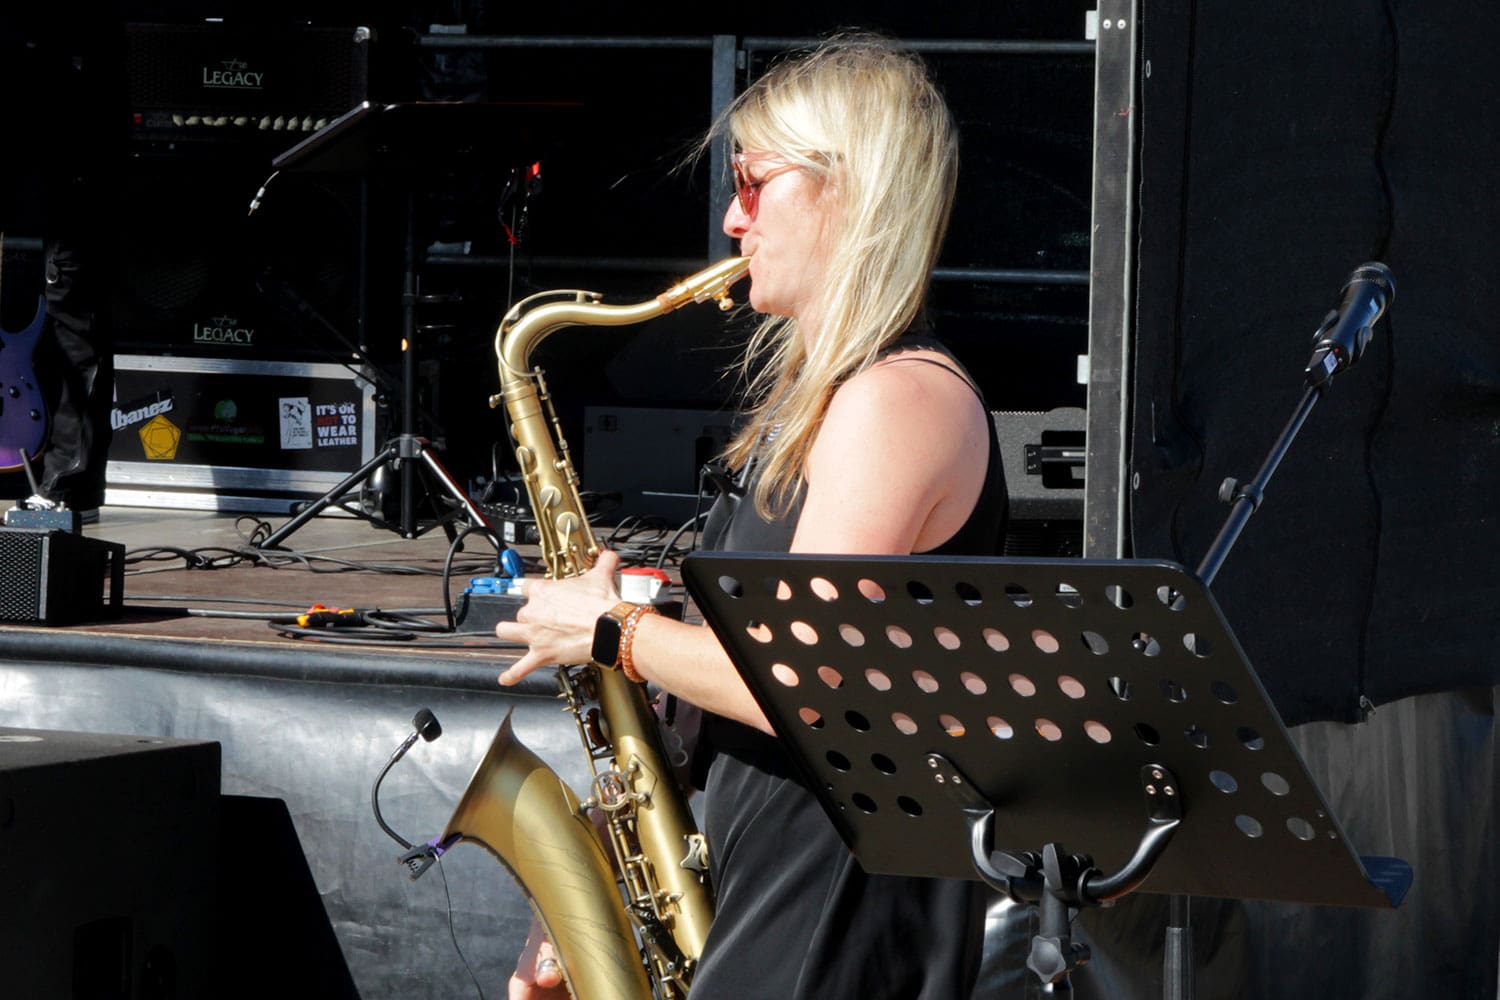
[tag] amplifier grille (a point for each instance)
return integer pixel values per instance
(218, 82)
(57, 578)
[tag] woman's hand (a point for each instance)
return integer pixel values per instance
(538, 975)
(557, 620)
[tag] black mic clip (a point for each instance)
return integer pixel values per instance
(422, 857)
(720, 476)
(1345, 332)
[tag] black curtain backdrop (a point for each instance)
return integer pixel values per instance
(1283, 145)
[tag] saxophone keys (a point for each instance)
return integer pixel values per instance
(696, 858)
(611, 792)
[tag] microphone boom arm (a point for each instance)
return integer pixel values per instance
(1338, 343)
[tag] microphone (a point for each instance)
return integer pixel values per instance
(1341, 339)
(425, 725)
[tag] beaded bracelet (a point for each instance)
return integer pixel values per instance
(627, 639)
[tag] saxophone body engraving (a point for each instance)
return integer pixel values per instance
(629, 910)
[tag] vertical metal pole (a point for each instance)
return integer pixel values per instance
(409, 371)
(1111, 277)
(721, 94)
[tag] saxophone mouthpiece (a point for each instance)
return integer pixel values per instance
(710, 283)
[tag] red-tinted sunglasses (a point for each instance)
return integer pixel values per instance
(747, 190)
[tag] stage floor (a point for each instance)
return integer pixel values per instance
(194, 576)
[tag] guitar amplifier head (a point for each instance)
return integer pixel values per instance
(57, 577)
(191, 85)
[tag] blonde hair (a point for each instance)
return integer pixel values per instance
(865, 116)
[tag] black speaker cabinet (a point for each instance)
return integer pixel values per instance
(50, 577)
(199, 274)
(109, 845)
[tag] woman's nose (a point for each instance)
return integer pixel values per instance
(735, 219)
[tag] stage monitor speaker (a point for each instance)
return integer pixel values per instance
(110, 846)
(50, 577)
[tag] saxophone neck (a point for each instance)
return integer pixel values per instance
(710, 283)
(532, 320)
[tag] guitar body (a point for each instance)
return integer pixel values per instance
(23, 410)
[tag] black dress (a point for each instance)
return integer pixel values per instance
(797, 917)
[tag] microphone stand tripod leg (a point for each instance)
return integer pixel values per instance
(333, 496)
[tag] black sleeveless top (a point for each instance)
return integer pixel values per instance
(796, 916)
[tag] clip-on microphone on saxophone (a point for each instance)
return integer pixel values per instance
(425, 725)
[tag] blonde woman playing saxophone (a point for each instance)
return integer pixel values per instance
(864, 436)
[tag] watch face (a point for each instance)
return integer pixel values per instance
(606, 648)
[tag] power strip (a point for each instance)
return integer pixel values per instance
(517, 526)
(480, 612)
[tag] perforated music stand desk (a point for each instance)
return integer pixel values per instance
(1049, 684)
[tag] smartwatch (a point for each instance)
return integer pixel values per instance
(608, 631)
(613, 632)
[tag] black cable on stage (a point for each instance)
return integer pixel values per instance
(349, 626)
(224, 600)
(690, 525)
(374, 627)
(447, 573)
(224, 558)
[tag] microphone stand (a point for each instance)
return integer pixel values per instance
(1245, 499)
(1338, 343)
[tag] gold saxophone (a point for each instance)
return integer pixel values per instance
(627, 910)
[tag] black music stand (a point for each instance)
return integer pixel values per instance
(967, 717)
(401, 140)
